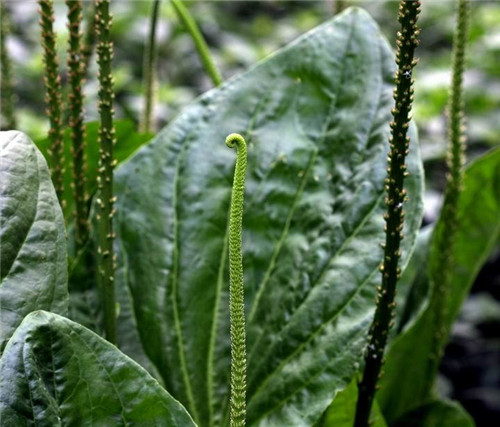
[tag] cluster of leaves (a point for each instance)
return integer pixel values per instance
(317, 131)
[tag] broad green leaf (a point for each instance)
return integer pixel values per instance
(342, 411)
(128, 140)
(316, 117)
(408, 364)
(438, 413)
(55, 372)
(33, 271)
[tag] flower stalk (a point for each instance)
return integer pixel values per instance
(8, 97)
(199, 42)
(236, 288)
(75, 105)
(53, 95)
(149, 72)
(445, 234)
(407, 41)
(106, 259)
(89, 38)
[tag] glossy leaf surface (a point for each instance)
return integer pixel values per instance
(316, 118)
(403, 385)
(32, 240)
(55, 372)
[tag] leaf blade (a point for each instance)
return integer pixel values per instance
(317, 132)
(33, 240)
(56, 372)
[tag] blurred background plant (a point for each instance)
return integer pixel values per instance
(240, 33)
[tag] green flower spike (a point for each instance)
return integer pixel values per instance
(106, 257)
(53, 95)
(407, 41)
(75, 105)
(446, 230)
(236, 293)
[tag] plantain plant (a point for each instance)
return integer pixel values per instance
(283, 343)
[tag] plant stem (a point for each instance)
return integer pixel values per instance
(75, 105)
(441, 258)
(106, 258)
(8, 97)
(407, 41)
(53, 95)
(88, 39)
(199, 41)
(149, 72)
(236, 288)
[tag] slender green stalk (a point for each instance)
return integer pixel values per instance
(75, 105)
(89, 39)
(407, 41)
(8, 97)
(236, 288)
(444, 238)
(106, 258)
(53, 95)
(199, 41)
(149, 72)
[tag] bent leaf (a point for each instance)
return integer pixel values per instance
(316, 117)
(32, 238)
(477, 233)
(55, 372)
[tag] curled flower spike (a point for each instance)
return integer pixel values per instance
(236, 292)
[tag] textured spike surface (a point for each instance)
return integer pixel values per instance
(53, 95)
(407, 41)
(105, 200)
(236, 291)
(75, 105)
